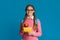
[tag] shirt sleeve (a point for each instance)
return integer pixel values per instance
(39, 33)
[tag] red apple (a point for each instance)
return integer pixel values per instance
(26, 25)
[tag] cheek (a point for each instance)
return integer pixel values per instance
(32, 12)
(27, 12)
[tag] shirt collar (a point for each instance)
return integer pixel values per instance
(31, 17)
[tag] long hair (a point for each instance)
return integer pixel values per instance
(34, 25)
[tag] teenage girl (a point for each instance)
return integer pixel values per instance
(31, 20)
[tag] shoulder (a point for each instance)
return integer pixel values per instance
(21, 21)
(37, 20)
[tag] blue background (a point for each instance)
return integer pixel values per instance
(12, 12)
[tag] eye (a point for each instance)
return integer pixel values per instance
(30, 10)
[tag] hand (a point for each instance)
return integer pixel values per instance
(31, 33)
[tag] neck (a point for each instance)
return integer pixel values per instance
(30, 16)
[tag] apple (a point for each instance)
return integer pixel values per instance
(26, 25)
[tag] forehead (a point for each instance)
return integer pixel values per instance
(30, 7)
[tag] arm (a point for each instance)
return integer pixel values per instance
(39, 33)
(21, 30)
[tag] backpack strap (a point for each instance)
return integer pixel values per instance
(22, 21)
(36, 21)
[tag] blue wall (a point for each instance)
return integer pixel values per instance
(12, 12)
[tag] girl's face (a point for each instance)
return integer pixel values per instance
(30, 11)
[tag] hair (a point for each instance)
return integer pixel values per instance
(34, 25)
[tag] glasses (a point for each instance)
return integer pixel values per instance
(30, 10)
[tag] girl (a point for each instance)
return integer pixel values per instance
(31, 20)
